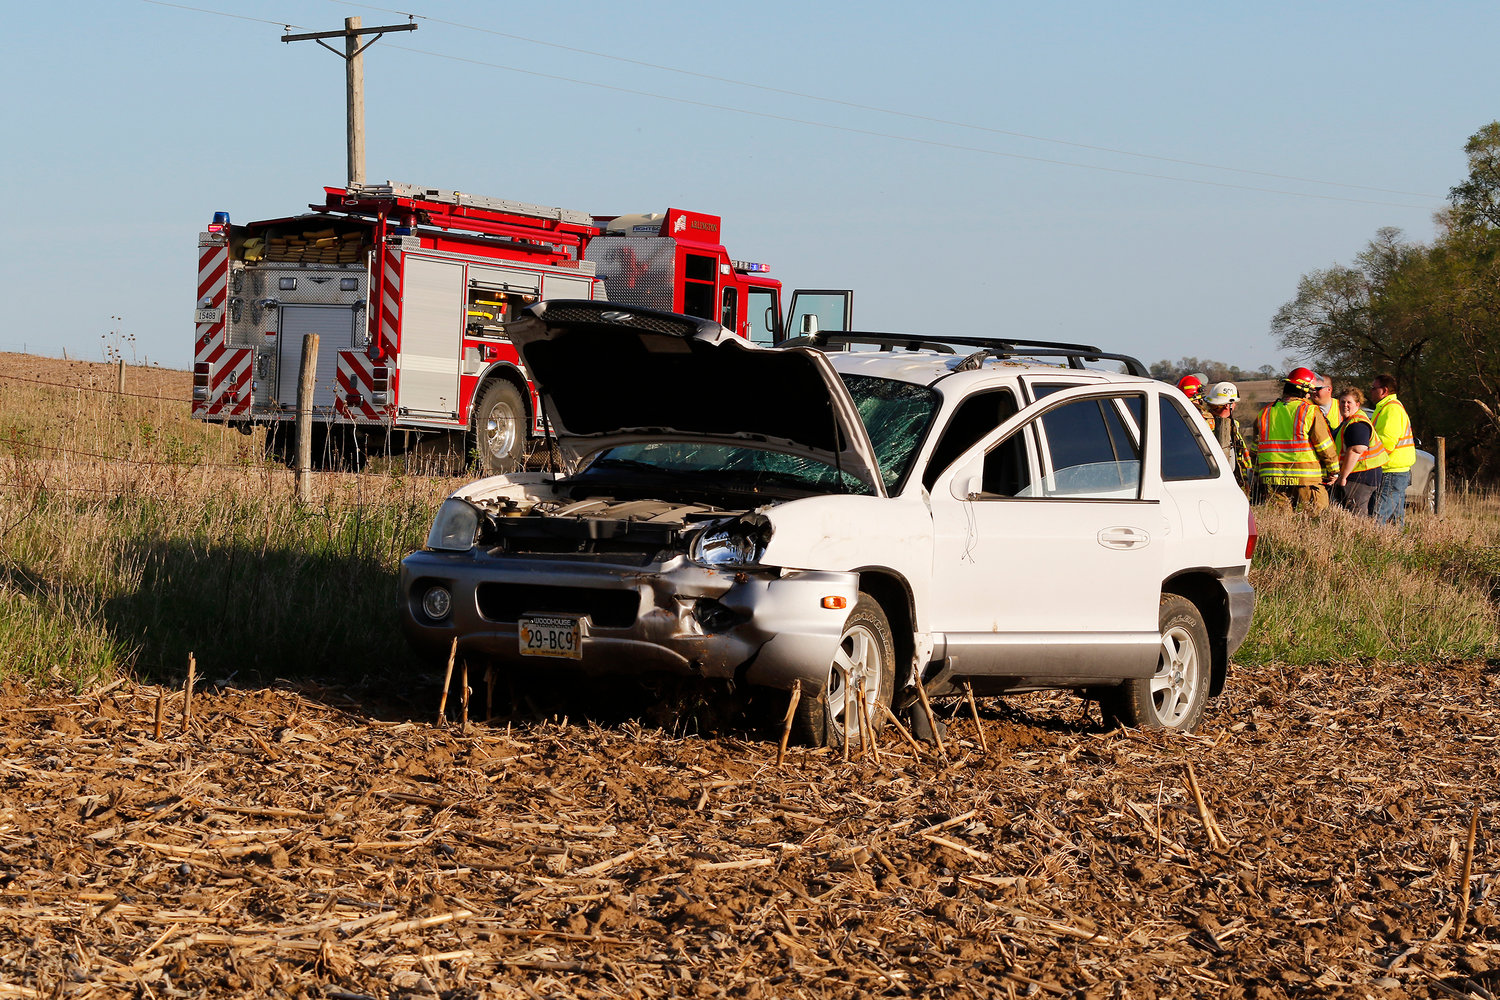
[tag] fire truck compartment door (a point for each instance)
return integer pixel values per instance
(565, 286)
(334, 326)
(433, 312)
(496, 279)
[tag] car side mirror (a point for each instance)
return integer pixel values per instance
(809, 324)
(969, 482)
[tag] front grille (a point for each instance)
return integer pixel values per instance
(507, 602)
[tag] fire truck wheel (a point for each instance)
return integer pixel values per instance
(500, 428)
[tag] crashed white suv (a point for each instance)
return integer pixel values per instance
(850, 521)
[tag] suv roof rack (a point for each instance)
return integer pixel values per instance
(893, 341)
(989, 347)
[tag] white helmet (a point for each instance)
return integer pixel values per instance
(1223, 394)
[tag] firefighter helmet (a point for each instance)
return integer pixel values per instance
(1224, 393)
(1302, 378)
(1190, 385)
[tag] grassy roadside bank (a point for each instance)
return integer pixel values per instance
(1337, 588)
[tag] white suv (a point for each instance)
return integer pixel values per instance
(849, 521)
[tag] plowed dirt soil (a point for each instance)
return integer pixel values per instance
(321, 843)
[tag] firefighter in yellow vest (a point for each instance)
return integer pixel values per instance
(1394, 428)
(1323, 396)
(1361, 455)
(1295, 455)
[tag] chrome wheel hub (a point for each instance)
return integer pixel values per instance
(856, 663)
(1178, 674)
(500, 430)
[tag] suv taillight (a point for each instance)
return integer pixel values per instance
(1250, 541)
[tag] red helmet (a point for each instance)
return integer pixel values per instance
(1302, 378)
(1191, 386)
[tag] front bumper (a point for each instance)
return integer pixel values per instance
(763, 627)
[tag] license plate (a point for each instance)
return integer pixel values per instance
(551, 636)
(208, 315)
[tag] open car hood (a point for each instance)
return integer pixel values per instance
(610, 375)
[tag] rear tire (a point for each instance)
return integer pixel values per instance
(866, 652)
(1174, 697)
(1429, 494)
(500, 428)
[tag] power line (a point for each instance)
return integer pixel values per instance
(221, 13)
(913, 116)
(874, 133)
(900, 138)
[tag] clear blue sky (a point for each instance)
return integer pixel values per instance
(128, 123)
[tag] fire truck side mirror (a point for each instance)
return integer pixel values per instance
(809, 324)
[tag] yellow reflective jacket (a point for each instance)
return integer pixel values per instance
(1374, 457)
(1293, 445)
(1394, 428)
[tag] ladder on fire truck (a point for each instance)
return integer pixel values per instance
(461, 199)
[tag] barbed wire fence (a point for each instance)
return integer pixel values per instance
(443, 458)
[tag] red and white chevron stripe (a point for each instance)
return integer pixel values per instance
(390, 302)
(229, 391)
(354, 397)
(213, 287)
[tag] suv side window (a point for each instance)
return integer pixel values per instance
(974, 418)
(1088, 451)
(1184, 455)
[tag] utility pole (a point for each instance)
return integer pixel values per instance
(354, 78)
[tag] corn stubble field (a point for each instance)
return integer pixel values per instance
(302, 827)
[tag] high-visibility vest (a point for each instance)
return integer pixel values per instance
(1394, 428)
(1284, 455)
(1333, 415)
(1375, 456)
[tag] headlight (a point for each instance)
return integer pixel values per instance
(734, 544)
(455, 527)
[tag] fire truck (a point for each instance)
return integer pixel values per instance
(409, 290)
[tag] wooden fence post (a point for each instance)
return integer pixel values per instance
(1440, 495)
(304, 416)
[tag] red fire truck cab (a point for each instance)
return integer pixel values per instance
(409, 290)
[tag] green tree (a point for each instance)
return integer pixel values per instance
(1430, 314)
(1476, 202)
(1358, 321)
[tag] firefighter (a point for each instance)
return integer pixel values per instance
(1296, 457)
(1191, 386)
(1394, 428)
(1220, 403)
(1323, 396)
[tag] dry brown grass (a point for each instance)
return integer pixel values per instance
(131, 535)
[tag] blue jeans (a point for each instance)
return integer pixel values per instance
(1390, 503)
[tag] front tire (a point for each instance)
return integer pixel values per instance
(500, 428)
(1429, 494)
(1174, 697)
(866, 653)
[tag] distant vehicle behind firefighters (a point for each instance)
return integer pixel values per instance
(410, 290)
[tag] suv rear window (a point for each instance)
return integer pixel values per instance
(1184, 454)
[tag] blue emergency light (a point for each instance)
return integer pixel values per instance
(220, 223)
